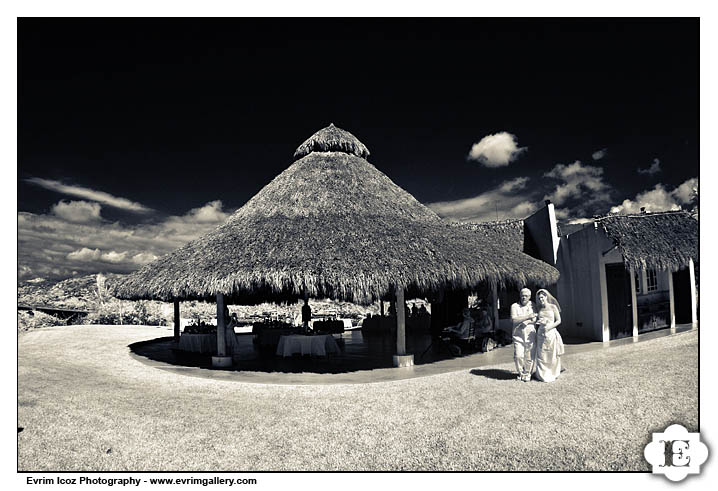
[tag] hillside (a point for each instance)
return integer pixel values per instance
(77, 293)
(89, 293)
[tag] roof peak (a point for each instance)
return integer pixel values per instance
(332, 139)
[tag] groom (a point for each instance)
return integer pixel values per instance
(523, 317)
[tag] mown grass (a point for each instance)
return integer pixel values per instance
(85, 404)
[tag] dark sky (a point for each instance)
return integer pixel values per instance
(176, 113)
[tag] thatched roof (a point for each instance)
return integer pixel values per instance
(332, 139)
(654, 240)
(507, 233)
(334, 226)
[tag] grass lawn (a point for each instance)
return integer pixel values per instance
(85, 404)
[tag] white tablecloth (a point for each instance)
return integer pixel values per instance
(318, 345)
(206, 343)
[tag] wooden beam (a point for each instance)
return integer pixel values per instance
(177, 321)
(221, 342)
(400, 307)
(495, 304)
(694, 305)
(634, 302)
(672, 302)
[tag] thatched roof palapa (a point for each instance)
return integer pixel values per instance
(664, 241)
(332, 139)
(507, 233)
(331, 225)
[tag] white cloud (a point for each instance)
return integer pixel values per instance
(658, 199)
(503, 202)
(77, 211)
(579, 182)
(562, 213)
(24, 271)
(143, 258)
(85, 254)
(496, 150)
(90, 194)
(209, 213)
(52, 247)
(514, 184)
(599, 154)
(113, 257)
(686, 191)
(655, 168)
(88, 255)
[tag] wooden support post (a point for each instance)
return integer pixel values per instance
(221, 360)
(694, 305)
(221, 341)
(603, 288)
(400, 322)
(381, 307)
(177, 321)
(634, 306)
(401, 359)
(495, 305)
(672, 303)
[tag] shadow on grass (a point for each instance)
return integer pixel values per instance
(494, 374)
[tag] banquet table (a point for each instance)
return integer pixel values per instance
(206, 343)
(318, 345)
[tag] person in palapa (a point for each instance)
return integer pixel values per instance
(548, 340)
(523, 317)
(229, 335)
(306, 315)
(461, 330)
(485, 331)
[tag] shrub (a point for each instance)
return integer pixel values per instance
(141, 312)
(32, 319)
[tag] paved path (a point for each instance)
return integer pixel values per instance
(495, 357)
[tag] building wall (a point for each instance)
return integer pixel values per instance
(581, 287)
(577, 257)
(581, 259)
(540, 230)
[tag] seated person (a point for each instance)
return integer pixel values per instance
(485, 331)
(461, 330)
(485, 325)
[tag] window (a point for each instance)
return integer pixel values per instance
(638, 281)
(651, 280)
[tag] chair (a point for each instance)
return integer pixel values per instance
(453, 344)
(441, 342)
(468, 343)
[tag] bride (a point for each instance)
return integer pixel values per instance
(548, 339)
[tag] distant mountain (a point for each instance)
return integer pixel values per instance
(81, 293)
(77, 293)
